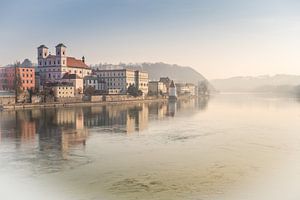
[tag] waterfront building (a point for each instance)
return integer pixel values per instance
(157, 88)
(75, 80)
(118, 80)
(22, 72)
(95, 82)
(186, 89)
(172, 91)
(166, 81)
(64, 91)
(142, 81)
(53, 67)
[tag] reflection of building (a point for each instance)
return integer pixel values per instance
(27, 130)
(125, 118)
(158, 110)
(172, 108)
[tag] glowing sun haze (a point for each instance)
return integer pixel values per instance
(219, 38)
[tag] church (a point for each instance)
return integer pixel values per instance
(52, 68)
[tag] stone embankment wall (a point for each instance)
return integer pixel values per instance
(7, 100)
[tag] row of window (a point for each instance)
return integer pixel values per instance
(54, 63)
(65, 93)
(110, 74)
(27, 75)
(27, 81)
(58, 70)
(27, 70)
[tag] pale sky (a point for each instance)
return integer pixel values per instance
(218, 38)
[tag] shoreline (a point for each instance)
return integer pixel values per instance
(71, 104)
(15, 107)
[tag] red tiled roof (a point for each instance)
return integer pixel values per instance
(72, 62)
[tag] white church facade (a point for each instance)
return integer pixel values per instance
(52, 68)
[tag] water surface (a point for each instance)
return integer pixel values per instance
(231, 146)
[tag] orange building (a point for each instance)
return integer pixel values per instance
(24, 71)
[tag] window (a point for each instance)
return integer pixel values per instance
(63, 61)
(40, 54)
(45, 63)
(63, 53)
(58, 61)
(40, 63)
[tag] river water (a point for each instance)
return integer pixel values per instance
(230, 146)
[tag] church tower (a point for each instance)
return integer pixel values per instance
(61, 55)
(42, 54)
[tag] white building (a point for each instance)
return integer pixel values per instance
(172, 91)
(118, 80)
(95, 82)
(63, 91)
(186, 89)
(75, 80)
(53, 67)
(157, 88)
(142, 81)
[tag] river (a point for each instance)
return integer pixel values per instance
(229, 146)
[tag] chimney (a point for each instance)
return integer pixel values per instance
(83, 59)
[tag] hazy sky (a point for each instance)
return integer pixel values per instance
(219, 38)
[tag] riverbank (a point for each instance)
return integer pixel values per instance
(88, 103)
(72, 104)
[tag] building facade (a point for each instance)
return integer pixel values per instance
(142, 81)
(53, 67)
(19, 74)
(95, 82)
(157, 88)
(118, 80)
(75, 80)
(63, 91)
(186, 89)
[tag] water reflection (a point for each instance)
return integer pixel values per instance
(55, 131)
